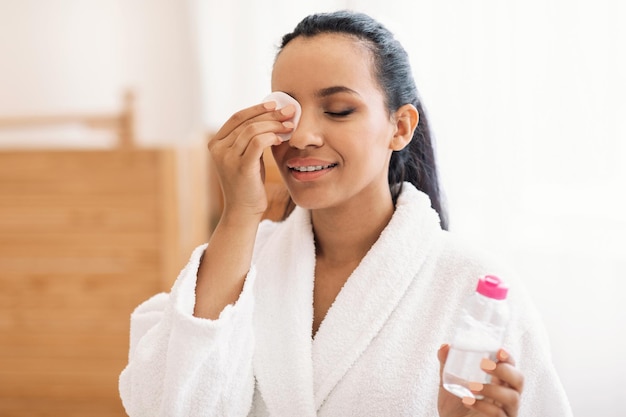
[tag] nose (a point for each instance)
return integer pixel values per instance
(307, 133)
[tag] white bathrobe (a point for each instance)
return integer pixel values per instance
(375, 353)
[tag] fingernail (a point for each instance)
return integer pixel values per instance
(469, 400)
(289, 125)
(502, 355)
(287, 110)
(443, 346)
(475, 386)
(487, 364)
(270, 105)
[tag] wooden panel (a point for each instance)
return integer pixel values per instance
(85, 236)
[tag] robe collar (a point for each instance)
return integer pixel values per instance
(296, 374)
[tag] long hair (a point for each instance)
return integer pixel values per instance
(416, 162)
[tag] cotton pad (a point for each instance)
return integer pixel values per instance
(283, 100)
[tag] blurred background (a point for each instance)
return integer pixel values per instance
(105, 107)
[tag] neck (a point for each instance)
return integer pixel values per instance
(346, 234)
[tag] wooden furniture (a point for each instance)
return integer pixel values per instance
(85, 236)
(121, 123)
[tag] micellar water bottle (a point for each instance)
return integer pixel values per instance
(479, 335)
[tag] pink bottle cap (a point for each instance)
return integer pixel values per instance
(492, 287)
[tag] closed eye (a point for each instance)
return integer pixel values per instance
(341, 113)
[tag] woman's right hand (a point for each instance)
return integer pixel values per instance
(237, 153)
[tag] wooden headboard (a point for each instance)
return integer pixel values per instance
(120, 123)
(85, 236)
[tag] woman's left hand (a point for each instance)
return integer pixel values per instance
(501, 397)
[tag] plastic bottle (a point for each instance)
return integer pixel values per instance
(479, 335)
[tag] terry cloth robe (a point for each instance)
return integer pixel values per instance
(375, 353)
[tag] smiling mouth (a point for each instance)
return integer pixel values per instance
(312, 168)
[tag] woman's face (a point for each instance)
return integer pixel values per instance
(339, 153)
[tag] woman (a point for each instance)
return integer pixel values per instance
(342, 308)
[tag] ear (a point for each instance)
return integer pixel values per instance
(405, 118)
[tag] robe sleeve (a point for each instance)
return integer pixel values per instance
(543, 393)
(181, 365)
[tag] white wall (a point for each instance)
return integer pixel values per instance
(73, 56)
(237, 44)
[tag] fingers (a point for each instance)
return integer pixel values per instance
(243, 138)
(243, 119)
(488, 409)
(505, 373)
(497, 401)
(258, 136)
(502, 395)
(243, 116)
(442, 355)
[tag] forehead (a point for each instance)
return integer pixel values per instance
(324, 59)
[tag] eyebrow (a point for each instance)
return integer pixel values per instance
(329, 91)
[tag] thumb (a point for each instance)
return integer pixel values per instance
(442, 355)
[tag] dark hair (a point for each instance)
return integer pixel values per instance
(416, 162)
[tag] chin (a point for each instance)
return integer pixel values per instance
(309, 200)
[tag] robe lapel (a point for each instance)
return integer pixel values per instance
(373, 291)
(283, 318)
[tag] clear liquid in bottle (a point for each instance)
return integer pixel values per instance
(479, 335)
(463, 367)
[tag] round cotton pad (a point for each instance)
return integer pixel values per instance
(282, 100)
